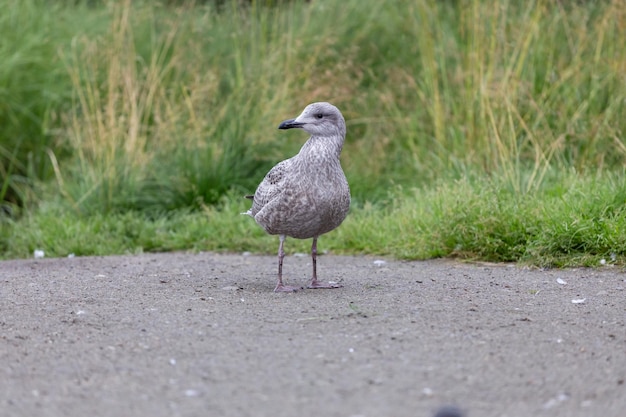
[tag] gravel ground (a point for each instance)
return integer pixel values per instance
(204, 335)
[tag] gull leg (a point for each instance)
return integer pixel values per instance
(280, 287)
(314, 282)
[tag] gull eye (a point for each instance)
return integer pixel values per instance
(319, 115)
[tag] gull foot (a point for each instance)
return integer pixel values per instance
(285, 288)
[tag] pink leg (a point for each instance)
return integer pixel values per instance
(280, 287)
(314, 282)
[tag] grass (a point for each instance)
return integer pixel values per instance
(579, 222)
(497, 126)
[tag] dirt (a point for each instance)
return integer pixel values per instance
(204, 335)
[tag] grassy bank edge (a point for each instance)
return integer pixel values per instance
(578, 221)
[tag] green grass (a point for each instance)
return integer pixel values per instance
(577, 222)
(497, 126)
(35, 90)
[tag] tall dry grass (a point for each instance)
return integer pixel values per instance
(174, 106)
(482, 129)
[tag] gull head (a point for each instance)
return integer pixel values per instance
(318, 119)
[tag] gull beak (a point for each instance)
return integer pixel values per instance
(290, 124)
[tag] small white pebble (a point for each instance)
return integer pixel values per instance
(379, 262)
(300, 255)
(71, 255)
(351, 350)
(560, 281)
(39, 253)
(172, 361)
(602, 261)
(552, 402)
(428, 392)
(191, 393)
(246, 253)
(578, 300)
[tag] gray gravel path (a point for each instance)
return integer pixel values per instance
(204, 335)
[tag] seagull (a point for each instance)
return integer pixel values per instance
(306, 195)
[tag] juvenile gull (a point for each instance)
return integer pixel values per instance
(307, 195)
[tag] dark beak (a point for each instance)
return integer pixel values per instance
(290, 124)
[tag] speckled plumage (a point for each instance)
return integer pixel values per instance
(307, 195)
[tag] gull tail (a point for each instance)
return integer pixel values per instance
(249, 212)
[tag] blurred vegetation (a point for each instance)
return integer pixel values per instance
(157, 110)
